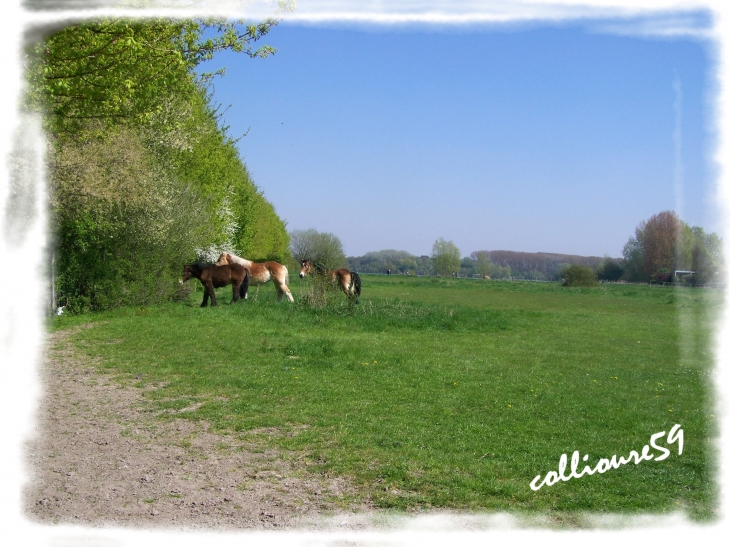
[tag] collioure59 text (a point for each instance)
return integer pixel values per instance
(676, 434)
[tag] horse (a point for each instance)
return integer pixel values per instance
(262, 272)
(348, 281)
(212, 276)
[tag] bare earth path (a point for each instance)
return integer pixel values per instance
(98, 459)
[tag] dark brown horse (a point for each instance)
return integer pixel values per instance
(213, 277)
(348, 281)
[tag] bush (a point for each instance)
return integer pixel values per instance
(316, 293)
(663, 275)
(578, 276)
(610, 269)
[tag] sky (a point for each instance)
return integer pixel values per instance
(545, 137)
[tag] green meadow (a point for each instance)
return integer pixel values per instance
(444, 393)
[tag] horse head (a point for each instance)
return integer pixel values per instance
(306, 267)
(188, 272)
(194, 270)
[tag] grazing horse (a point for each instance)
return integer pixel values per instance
(212, 276)
(348, 281)
(262, 272)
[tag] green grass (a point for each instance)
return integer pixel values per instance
(448, 393)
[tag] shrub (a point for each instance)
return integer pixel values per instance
(316, 293)
(577, 275)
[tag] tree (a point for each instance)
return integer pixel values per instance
(633, 253)
(661, 242)
(706, 256)
(319, 247)
(120, 69)
(483, 265)
(610, 269)
(665, 243)
(577, 275)
(446, 257)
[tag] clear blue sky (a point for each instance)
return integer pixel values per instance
(525, 138)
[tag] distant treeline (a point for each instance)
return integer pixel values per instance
(663, 249)
(389, 259)
(495, 264)
(542, 266)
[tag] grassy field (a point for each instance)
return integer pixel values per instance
(448, 393)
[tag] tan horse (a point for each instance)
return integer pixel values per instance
(262, 272)
(348, 281)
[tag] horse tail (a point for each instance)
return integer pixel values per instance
(356, 282)
(243, 291)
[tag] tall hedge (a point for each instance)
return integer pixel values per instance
(143, 178)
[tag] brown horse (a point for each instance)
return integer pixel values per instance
(213, 277)
(348, 281)
(262, 272)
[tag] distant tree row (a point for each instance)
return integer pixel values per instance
(446, 260)
(142, 176)
(521, 265)
(398, 262)
(660, 246)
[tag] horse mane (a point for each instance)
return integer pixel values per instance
(200, 265)
(320, 268)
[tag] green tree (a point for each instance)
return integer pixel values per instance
(483, 265)
(501, 272)
(406, 264)
(320, 247)
(610, 269)
(120, 69)
(446, 257)
(633, 253)
(706, 256)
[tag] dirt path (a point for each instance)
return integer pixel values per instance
(98, 459)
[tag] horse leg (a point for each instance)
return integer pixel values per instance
(344, 286)
(284, 279)
(243, 291)
(353, 292)
(211, 291)
(205, 297)
(236, 287)
(349, 288)
(281, 288)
